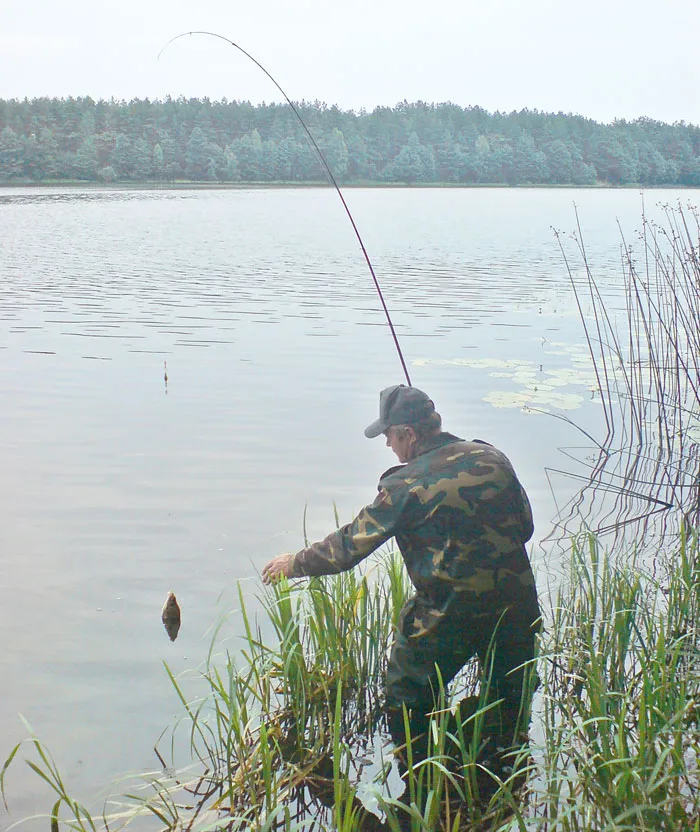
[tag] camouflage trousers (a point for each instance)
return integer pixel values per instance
(503, 638)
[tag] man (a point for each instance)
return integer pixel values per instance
(461, 520)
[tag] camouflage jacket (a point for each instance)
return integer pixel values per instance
(460, 519)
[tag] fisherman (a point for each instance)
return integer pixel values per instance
(461, 520)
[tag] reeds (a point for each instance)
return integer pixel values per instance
(620, 687)
(288, 734)
(644, 343)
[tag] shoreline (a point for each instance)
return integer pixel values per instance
(180, 185)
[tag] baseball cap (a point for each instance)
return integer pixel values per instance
(400, 405)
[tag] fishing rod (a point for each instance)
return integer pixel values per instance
(329, 172)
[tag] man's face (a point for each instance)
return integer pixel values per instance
(402, 441)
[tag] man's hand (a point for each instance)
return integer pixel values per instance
(281, 565)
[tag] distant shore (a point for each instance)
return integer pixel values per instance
(227, 186)
(229, 143)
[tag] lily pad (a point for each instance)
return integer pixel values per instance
(571, 375)
(562, 401)
(501, 398)
(537, 388)
(524, 377)
(477, 363)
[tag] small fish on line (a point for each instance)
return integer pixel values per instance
(171, 616)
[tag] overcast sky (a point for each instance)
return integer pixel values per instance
(604, 59)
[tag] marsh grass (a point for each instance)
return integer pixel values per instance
(620, 687)
(645, 351)
(288, 734)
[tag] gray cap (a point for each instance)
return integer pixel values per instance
(400, 405)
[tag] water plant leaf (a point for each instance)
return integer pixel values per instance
(54, 815)
(477, 363)
(500, 398)
(5, 767)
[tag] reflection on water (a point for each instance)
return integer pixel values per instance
(182, 373)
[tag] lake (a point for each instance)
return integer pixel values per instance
(117, 486)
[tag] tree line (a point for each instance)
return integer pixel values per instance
(49, 139)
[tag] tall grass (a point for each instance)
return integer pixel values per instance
(620, 687)
(644, 344)
(289, 733)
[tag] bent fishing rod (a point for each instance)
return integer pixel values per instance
(326, 167)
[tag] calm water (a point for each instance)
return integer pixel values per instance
(116, 488)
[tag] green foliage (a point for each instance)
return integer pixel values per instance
(86, 160)
(11, 154)
(415, 162)
(232, 141)
(198, 156)
(620, 690)
(277, 726)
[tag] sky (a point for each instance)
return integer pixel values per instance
(603, 59)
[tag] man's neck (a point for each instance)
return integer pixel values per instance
(435, 440)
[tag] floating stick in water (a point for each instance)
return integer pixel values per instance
(171, 616)
(326, 166)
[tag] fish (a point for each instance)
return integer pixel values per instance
(171, 616)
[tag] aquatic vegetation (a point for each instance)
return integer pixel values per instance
(500, 399)
(620, 692)
(535, 400)
(286, 732)
(643, 351)
(476, 363)
(536, 391)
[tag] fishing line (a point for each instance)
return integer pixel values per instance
(329, 172)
